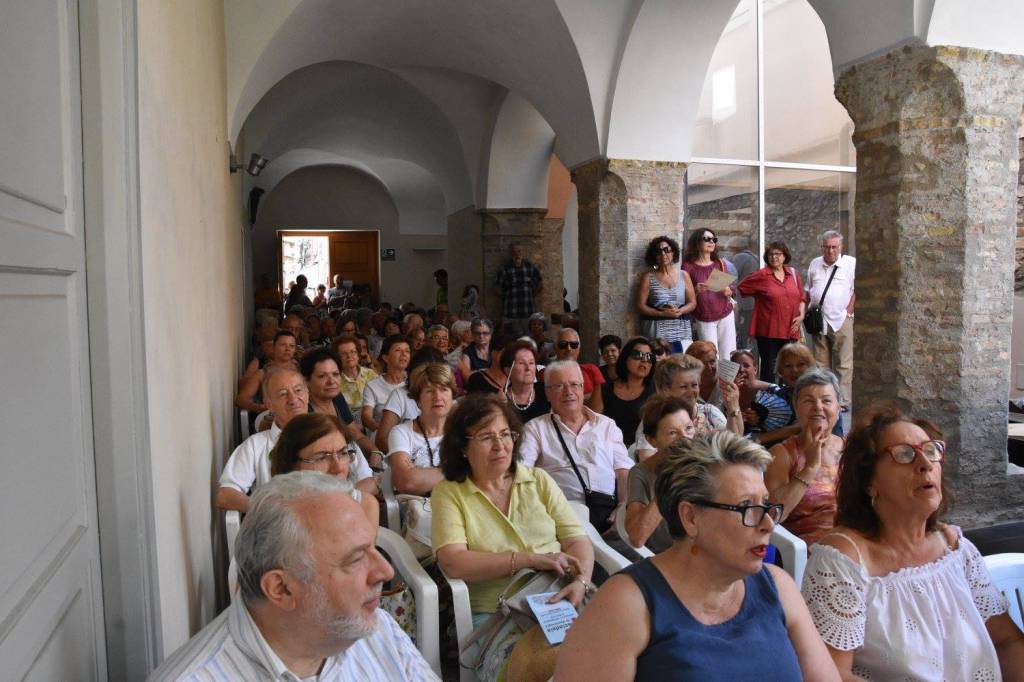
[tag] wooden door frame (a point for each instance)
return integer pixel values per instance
(283, 232)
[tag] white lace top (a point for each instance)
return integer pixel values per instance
(918, 623)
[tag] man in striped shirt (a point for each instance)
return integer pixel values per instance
(310, 579)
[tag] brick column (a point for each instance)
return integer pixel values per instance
(542, 245)
(623, 204)
(937, 162)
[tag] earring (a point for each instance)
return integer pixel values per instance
(873, 501)
(694, 549)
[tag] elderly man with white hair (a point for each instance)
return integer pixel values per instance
(581, 449)
(829, 284)
(310, 579)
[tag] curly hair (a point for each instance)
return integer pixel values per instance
(651, 254)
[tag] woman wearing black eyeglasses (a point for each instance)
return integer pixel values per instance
(316, 442)
(633, 385)
(713, 317)
(896, 593)
(664, 295)
(708, 607)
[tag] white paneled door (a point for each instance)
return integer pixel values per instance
(51, 614)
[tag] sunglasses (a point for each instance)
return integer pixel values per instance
(711, 240)
(660, 352)
(666, 249)
(641, 355)
(562, 345)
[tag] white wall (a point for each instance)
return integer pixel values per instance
(191, 262)
(342, 198)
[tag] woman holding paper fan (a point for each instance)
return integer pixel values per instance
(713, 318)
(664, 296)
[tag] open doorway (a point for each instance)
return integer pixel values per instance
(321, 254)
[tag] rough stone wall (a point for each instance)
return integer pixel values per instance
(542, 245)
(1018, 275)
(623, 204)
(938, 156)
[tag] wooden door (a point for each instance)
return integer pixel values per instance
(50, 590)
(355, 256)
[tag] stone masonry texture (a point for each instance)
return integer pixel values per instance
(938, 161)
(623, 204)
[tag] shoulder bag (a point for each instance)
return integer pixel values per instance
(814, 319)
(601, 505)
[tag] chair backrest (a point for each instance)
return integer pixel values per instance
(1008, 575)
(243, 423)
(793, 551)
(232, 521)
(391, 508)
(620, 528)
(606, 557)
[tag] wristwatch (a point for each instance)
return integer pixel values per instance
(735, 413)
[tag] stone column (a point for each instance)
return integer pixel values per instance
(937, 164)
(623, 204)
(541, 238)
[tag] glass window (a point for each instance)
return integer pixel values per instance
(801, 204)
(724, 199)
(804, 123)
(726, 126)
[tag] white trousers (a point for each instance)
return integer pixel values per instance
(722, 333)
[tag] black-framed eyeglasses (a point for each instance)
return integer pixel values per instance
(641, 355)
(710, 240)
(931, 450)
(752, 514)
(562, 345)
(327, 456)
(666, 249)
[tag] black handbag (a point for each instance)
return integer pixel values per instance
(601, 505)
(814, 319)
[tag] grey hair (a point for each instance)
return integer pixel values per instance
(542, 317)
(560, 366)
(272, 372)
(437, 328)
(459, 326)
(830, 234)
(690, 471)
(816, 376)
(273, 536)
(527, 339)
(481, 322)
(568, 330)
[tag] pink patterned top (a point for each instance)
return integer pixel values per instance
(815, 515)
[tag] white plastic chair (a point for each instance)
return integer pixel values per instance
(606, 557)
(793, 551)
(424, 591)
(620, 528)
(260, 418)
(391, 509)
(232, 521)
(243, 423)
(1008, 575)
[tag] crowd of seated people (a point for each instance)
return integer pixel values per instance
(504, 434)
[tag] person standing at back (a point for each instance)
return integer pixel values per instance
(519, 282)
(714, 318)
(833, 347)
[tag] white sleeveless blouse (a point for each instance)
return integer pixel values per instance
(918, 623)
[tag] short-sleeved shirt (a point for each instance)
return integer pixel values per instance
(403, 438)
(376, 393)
(839, 292)
(539, 520)
(353, 389)
(517, 284)
(641, 489)
(400, 403)
(597, 449)
(775, 303)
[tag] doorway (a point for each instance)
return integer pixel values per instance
(321, 254)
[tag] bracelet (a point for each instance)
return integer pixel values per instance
(587, 587)
(735, 413)
(806, 484)
(512, 564)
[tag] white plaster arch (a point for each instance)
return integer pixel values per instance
(526, 48)
(519, 158)
(996, 25)
(659, 80)
(361, 112)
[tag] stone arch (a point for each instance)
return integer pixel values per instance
(520, 150)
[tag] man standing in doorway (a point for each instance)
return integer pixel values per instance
(520, 283)
(833, 347)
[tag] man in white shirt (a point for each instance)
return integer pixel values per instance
(286, 394)
(833, 348)
(593, 440)
(310, 581)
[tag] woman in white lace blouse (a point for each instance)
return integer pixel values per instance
(895, 593)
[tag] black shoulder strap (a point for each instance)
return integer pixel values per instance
(828, 283)
(558, 432)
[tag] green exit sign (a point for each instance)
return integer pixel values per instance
(387, 254)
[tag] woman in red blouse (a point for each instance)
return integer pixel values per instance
(778, 305)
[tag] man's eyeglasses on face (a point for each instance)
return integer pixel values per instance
(565, 385)
(562, 345)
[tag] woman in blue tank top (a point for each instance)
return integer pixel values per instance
(707, 608)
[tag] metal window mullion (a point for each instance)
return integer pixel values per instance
(759, 24)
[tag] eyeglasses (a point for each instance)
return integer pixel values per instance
(492, 439)
(642, 356)
(327, 456)
(666, 249)
(660, 352)
(577, 385)
(710, 240)
(562, 345)
(931, 450)
(776, 254)
(753, 514)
